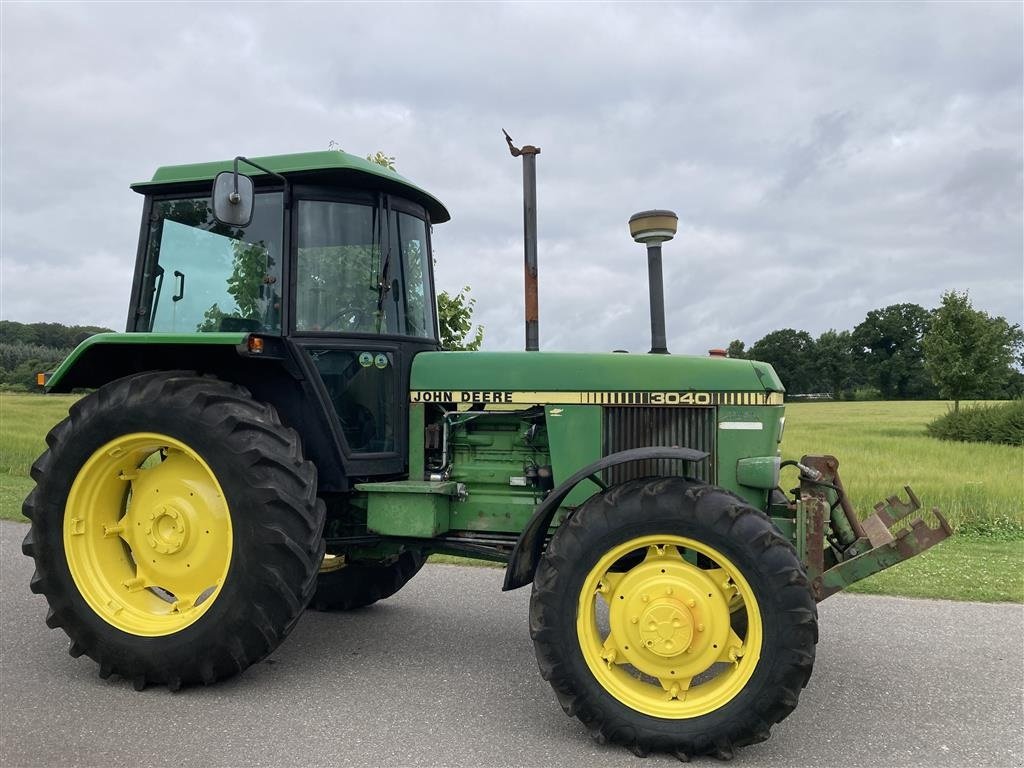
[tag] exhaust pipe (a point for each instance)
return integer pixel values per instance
(529, 154)
(653, 228)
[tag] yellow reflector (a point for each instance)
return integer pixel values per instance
(41, 379)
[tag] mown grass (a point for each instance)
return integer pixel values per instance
(24, 421)
(880, 446)
(963, 567)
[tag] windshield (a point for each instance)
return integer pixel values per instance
(201, 275)
(355, 276)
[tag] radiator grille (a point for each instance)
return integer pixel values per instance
(633, 427)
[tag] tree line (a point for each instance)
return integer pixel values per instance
(901, 352)
(28, 348)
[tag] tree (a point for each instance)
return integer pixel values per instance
(455, 319)
(791, 354)
(834, 370)
(737, 349)
(888, 346)
(968, 353)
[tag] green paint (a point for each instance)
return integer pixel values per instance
(840, 525)
(417, 468)
(574, 435)
(490, 451)
(420, 487)
(223, 339)
(800, 530)
(356, 169)
(862, 566)
(787, 526)
(573, 371)
(408, 507)
(758, 472)
(735, 444)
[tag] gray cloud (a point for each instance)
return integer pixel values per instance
(825, 160)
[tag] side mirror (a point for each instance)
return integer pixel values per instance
(232, 198)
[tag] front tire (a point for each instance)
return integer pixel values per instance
(175, 529)
(630, 617)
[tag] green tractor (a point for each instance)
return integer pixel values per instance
(278, 428)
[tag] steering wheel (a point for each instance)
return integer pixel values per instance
(349, 318)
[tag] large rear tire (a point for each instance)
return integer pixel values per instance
(347, 586)
(175, 529)
(630, 617)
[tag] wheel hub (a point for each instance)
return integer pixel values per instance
(666, 628)
(669, 619)
(167, 530)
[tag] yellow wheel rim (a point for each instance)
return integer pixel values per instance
(653, 625)
(147, 534)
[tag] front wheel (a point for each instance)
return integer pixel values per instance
(633, 617)
(175, 529)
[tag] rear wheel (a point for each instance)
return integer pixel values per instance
(632, 617)
(175, 529)
(343, 586)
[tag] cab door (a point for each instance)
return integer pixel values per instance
(363, 307)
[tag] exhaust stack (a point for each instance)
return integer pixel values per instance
(653, 228)
(529, 154)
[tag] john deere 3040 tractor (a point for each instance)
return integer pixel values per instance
(278, 428)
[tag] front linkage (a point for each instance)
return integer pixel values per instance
(836, 547)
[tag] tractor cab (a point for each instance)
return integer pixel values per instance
(329, 251)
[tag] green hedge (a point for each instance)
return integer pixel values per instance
(1002, 423)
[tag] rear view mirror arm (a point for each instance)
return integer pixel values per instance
(282, 179)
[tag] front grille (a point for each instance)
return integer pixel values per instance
(626, 428)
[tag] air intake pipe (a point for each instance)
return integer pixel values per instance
(652, 228)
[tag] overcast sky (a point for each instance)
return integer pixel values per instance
(824, 159)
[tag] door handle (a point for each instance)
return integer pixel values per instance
(180, 277)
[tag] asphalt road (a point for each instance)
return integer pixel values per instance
(444, 674)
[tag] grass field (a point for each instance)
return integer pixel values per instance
(881, 447)
(24, 422)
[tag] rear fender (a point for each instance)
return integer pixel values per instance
(272, 375)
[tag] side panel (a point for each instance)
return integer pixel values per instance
(744, 432)
(574, 436)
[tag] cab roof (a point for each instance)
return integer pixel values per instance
(346, 167)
